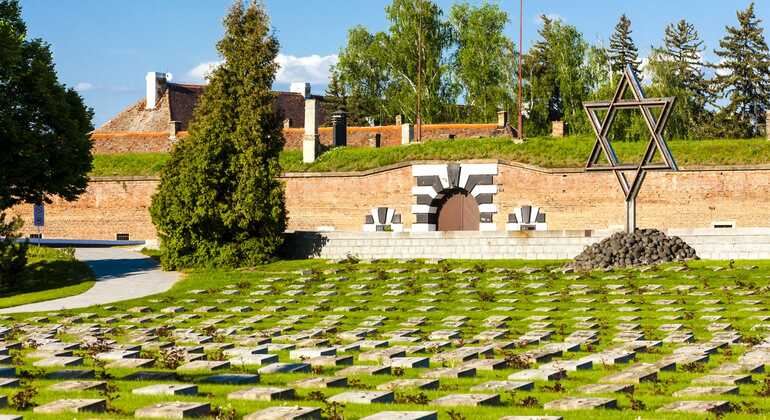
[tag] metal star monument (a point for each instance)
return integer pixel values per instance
(603, 145)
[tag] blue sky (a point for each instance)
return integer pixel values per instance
(105, 47)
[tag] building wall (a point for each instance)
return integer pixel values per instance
(571, 199)
(137, 141)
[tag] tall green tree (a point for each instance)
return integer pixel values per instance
(623, 51)
(557, 78)
(677, 70)
(482, 61)
(418, 34)
(362, 71)
(220, 201)
(44, 130)
(44, 125)
(744, 72)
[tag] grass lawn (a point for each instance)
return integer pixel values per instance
(546, 152)
(384, 305)
(50, 274)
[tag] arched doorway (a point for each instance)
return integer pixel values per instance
(458, 210)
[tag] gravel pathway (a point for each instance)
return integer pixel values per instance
(121, 274)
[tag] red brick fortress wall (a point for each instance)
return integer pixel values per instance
(571, 199)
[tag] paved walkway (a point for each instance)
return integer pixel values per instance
(121, 274)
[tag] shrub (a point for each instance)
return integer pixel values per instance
(13, 254)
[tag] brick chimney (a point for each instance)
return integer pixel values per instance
(156, 84)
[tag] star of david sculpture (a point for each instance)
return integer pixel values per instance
(657, 143)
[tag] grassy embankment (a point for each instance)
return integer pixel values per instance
(50, 274)
(545, 152)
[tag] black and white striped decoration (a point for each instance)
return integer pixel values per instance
(526, 218)
(434, 181)
(383, 219)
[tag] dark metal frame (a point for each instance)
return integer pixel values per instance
(657, 142)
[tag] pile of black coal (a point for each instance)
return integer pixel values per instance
(643, 247)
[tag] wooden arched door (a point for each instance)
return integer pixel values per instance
(457, 211)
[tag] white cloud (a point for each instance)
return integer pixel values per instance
(200, 72)
(312, 69)
(84, 87)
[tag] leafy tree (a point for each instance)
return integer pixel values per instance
(220, 202)
(622, 49)
(44, 130)
(482, 60)
(362, 71)
(744, 72)
(677, 70)
(557, 78)
(336, 97)
(44, 125)
(403, 48)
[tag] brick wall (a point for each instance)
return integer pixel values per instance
(132, 142)
(570, 198)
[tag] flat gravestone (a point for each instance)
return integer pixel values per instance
(167, 389)
(9, 383)
(605, 388)
(403, 415)
(10, 417)
(285, 368)
(631, 377)
(449, 373)
(203, 365)
(723, 379)
(538, 375)
(408, 362)
(321, 382)
(70, 374)
(580, 403)
(364, 370)
(286, 413)
(262, 394)
(232, 378)
(78, 386)
(72, 406)
(130, 363)
(504, 386)
(253, 359)
(697, 406)
(174, 410)
(467, 400)
(363, 397)
(697, 391)
(59, 361)
(399, 384)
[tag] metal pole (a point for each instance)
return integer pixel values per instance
(521, 58)
(631, 215)
(419, 69)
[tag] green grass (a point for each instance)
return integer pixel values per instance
(571, 152)
(477, 295)
(129, 164)
(50, 274)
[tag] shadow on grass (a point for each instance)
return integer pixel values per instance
(45, 275)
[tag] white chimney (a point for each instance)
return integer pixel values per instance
(300, 87)
(156, 84)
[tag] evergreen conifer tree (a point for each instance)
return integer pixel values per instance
(622, 49)
(677, 70)
(336, 98)
(743, 74)
(220, 202)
